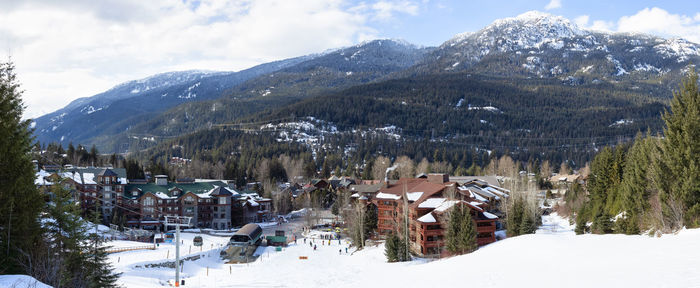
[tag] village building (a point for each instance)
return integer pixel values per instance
(427, 201)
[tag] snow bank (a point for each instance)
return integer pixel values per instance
(21, 281)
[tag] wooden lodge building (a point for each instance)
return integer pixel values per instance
(142, 204)
(427, 200)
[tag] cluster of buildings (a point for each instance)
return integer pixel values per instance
(424, 201)
(144, 204)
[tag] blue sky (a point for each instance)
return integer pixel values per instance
(64, 50)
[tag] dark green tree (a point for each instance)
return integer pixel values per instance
(514, 217)
(680, 154)
(391, 248)
(20, 201)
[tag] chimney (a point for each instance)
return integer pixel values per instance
(438, 178)
(161, 180)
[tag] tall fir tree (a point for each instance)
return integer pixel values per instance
(635, 188)
(391, 247)
(680, 153)
(20, 201)
(468, 232)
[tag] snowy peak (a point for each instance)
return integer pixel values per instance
(532, 29)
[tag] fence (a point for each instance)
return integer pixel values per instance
(132, 248)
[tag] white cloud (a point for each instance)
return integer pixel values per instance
(553, 4)
(582, 21)
(64, 51)
(385, 10)
(660, 22)
(655, 21)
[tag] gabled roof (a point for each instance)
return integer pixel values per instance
(107, 173)
(362, 188)
(222, 191)
(198, 188)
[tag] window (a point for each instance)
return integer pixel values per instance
(108, 195)
(148, 202)
(108, 188)
(134, 193)
(222, 200)
(160, 201)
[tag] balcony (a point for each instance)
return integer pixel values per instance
(486, 229)
(431, 232)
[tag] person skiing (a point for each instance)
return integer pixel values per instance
(340, 251)
(346, 250)
(314, 247)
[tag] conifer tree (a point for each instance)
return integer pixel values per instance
(452, 243)
(680, 153)
(20, 201)
(391, 248)
(514, 217)
(635, 186)
(528, 225)
(468, 232)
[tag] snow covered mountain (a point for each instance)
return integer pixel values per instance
(129, 103)
(536, 44)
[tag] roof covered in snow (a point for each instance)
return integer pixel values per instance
(427, 218)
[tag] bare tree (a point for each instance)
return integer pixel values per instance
(545, 169)
(405, 167)
(423, 166)
(379, 167)
(564, 169)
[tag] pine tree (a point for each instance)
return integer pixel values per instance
(461, 231)
(602, 223)
(514, 217)
(527, 224)
(680, 153)
(454, 226)
(468, 232)
(75, 246)
(635, 186)
(391, 248)
(20, 201)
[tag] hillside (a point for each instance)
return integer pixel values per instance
(133, 102)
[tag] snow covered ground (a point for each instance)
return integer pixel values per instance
(553, 257)
(20, 281)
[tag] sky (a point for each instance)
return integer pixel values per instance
(64, 50)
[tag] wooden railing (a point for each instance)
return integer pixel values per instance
(133, 248)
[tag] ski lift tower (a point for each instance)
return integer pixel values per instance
(177, 221)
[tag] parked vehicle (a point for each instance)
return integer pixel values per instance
(198, 241)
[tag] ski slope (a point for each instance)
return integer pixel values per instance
(553, 257)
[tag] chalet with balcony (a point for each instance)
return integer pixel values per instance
(427, 201)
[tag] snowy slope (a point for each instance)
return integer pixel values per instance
(21, 281)
(553, 257)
